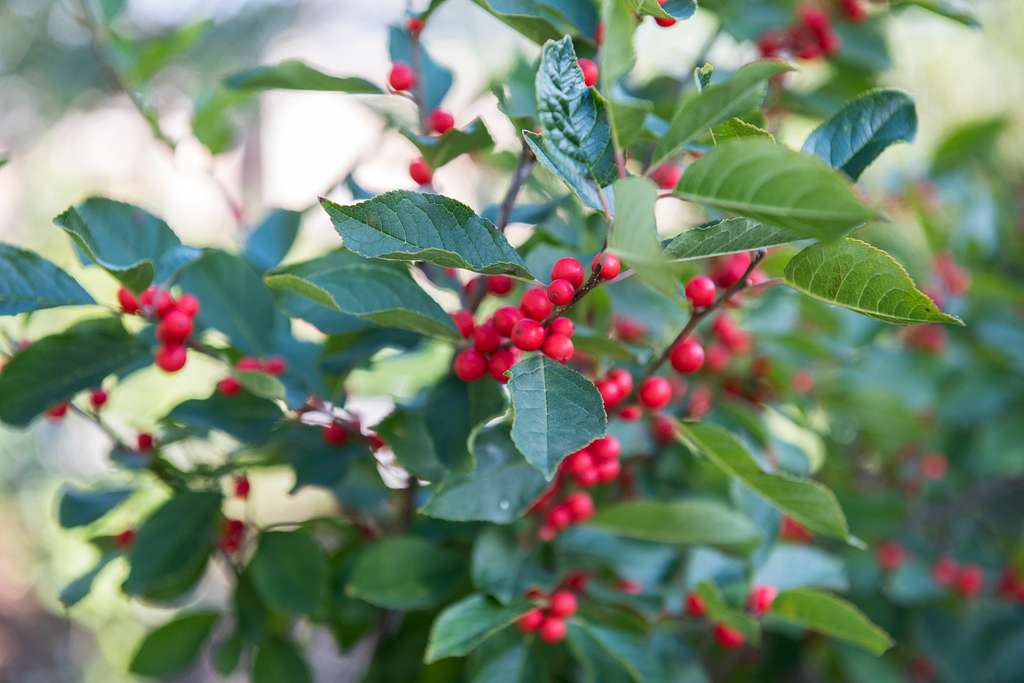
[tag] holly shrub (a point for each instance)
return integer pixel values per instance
(749, 448)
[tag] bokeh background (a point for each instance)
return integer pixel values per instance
(69, 134)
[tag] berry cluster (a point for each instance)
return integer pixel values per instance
(548, 621)
(274, 366)
(759, 601)
(175, 326)
(810, 37)
(966, 580)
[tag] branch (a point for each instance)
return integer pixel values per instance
(522, 172)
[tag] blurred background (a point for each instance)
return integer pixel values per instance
(69, 134)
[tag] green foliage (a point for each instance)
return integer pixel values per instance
(296, 75)
(174, 646)
(831, 616)
(682, 522)
(289, 571)
(32, 283)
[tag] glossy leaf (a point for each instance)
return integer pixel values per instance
(830, 615)
(502, 567)
(269, 242)
(557, 412)
(453, 410)
(691, 522)
(728, 236)
(28, 282)
(438, 150)
(634, 234)
(863, 278)
(541, 20)
(413, 226)
(296, 75)
(79, 507)
(289, 571)
(618, 650)
(406, 573)
(407, 434)
(863, 129)
(172, 647)
(461, 627)
(246, 417)
(277, 660)
(773, 184)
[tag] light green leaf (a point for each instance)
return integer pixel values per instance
(863, 278)
(406, 573)
(957, 10)
(735, 127)
(557, 411)
(689, 522)
(461, 627)
(776, 185)
(634, 235)
(617, 55)
(970, 141)
(729, 236)
(413, 226)
(174, 646)
(831, 616)
(297, 75)
(28, 282)
(289, 570)
(438, 150)
(260, 384)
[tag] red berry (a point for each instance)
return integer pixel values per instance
(528, 335)
(945, 571)
(631, 413)
(171, 358)
(559, 517)
(420, 171)
(622, 377)
(730, 269)
(229, 386)
(580, 505)
(813, 17)
(609, 264)
(568, 268)
(561, 292)
(590, 71)
(188, 304)
(687, 356)
(486, 339)
(148, 296)
(334, 434)
(499, 285)
(535, 303)
(275, 365)
(727, 636)
(464, 322)
(664, 21)
(558, 347)
(414, 25)
(611, 392)
(663, 429)
(579, 462)
(934, 466)
(761, 598)
(628, 330)
(700, 290)
(144, 442)
(501, 361)
(695, 606)
(770, 44)
(563, 602)
(655, 392)
(175, 328)
(249, 364)
(717, 357)
(164, 304)
(232, 535)
(531, 621)
(890, 555)
(125, 538)
(241, 486)
(792, 530)
(700, 402)
(547, 533)
(854, 10)
(608, 471)
(57, 411)
(970, 580)
(629, 587)
(599, 34)
(552, 630)
(667, 175)
(402, 77)
(97, 397)
(802, 382)
(441, 121)
(129, 304)
(505, 319)
(561, 325)
(470, 365)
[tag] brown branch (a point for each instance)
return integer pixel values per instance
(522, 172)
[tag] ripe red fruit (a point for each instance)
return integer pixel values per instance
(579, 462)
(129, 304)
(609, 264)
(558, 347)
(148, 296)
(563, 602)
(581, 506)
(970, 580)
(568, 268)
(402, 77)
(664, 21)
(501, 361)
(611, 392)
(175, 328)
(464, 322)
(854, 10)
(792, 530)
(717, 357)
(171, 358)
(535, 303)
(631, 413)
(695, 606)
(420, 171)
(730, 269)
(531, 621)
(561, 292)
(727, 637)
(663, 429)
(441, 121)
(599, 34)
(528, 335)
(655, 392)
(628, 330)
(761, 598)
(125, 538)
(250, 364)
(97, 397)
(58, 411)
(229, 386)
(934, 466)
(241, 487)
(144, 442)
(188, 304)
(552, 630)
(470, 365)
(232, 535)
(414, 25)
(275, 365)
(505, 319)
(945, 571)
(334, 434)
(770, 43)
(559, 517)
(687, 356)
(499, 285)
(561, 325)
(163, 304)
(622, 377)
(547, 533)
(802, 382)
(590, 71)
(700, 290)
(667, 175)
(629, 587)
(890, 555)
(486, 339)
(608, 471)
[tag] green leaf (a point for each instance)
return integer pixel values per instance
(503, 567)
(735, 127)
(379, 292)
(506, 660)
(728, 236)
(831, 616)
(576, 138)
(214, 117)
(434, 80)
(233, 299)
(861, 130)
(453, 410)
(617, 649)
(438, 150)
(557, 412)
(970, 141)
(461, 627)
(863, 278)
(413, 226)
(541, 20)
(131, 244)
(174, 646)
(146, 58)
(228, 654)
(296, 75)
(28, 282)
(773, 184)
(269, 242)
(617, 54)
(79, 507)
(55, 368)
(278, 660)
(499, 489)
(173, 544)
(950, 9)
(690, 522)
(407, 434)
(260, 384)
(810, 503)
(679, 9)
(74, 592)
(406, 573)
(634, 235)
(289, 571)
(719, 611)
(246, 417)
(746, 90)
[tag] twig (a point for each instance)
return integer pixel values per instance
(522, 172)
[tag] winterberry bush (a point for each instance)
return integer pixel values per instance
(648, 455)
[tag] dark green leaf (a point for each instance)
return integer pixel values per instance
(634, 235)
(616, 649)
(405, 573)
(278, 661)
(719, 611)
(557, 412)
(438, 150)
(174, 646)
(79, 507)
(296, 75)
(541, 20)
(830, 615)
(860, 131)
(268, 244)
(503, 567)
(406, 433)
(413, 226)
(260, 384)
(246, 417)
(75, 591)
(461, 627)
(729, 236)
(863, 278)
(289, 571)
(434, 80)
(691, 522)
(228, 655)
(506, 660)
(453, 410)
(146, 58)
(28, 282)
